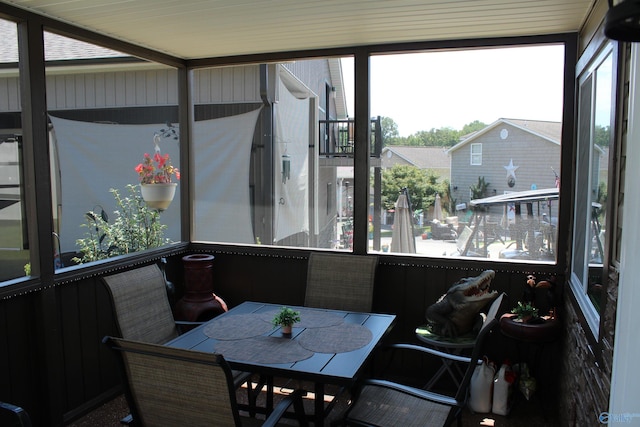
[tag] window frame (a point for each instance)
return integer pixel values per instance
(474, 155)
(586, 72)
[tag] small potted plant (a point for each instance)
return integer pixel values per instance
(525, 312)
(285, 318)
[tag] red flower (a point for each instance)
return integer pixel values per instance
(156, 170)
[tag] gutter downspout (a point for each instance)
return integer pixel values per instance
(265, 214)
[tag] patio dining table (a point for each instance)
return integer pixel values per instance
(325, 347)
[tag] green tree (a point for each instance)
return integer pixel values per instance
(411, 141)
(421, 184)
(442, 137)
(474, 126)
(602, 135)
(390, 132)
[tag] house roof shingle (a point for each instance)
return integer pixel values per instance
(56, 47)
(421, 157)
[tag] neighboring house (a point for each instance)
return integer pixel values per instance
(435, 159)
(511, 155)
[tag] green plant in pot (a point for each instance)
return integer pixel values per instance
(285, 318)
(525, 312)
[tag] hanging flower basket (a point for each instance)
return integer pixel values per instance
(158, 196)
(155, 173)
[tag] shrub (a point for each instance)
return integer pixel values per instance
(136, 227)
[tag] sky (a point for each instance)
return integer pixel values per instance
(422, 91)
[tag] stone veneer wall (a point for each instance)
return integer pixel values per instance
(585, 380)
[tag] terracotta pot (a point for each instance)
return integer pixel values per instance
(158, 196)
(199, 302)
(286, 329)
(547, 330)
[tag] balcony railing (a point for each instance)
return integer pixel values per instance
(337, 137)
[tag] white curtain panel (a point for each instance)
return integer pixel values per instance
(222, 204)
(292, 138)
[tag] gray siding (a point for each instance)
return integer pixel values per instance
(138, 88)
(227, 85)
(9, 94)
(315, 74)
(86, 90)
(112, 89)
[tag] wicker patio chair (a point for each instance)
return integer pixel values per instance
(141, 306)
(340, 281)
(142, 313)
(386, 403)
(13, 416)
(168, 386)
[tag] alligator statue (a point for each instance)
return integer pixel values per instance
(457, 311)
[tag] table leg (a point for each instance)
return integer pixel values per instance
(319, 405)
(269, 402)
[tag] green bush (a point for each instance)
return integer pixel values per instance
(136, 227)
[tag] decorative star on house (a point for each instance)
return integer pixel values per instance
(511, 173)
(511, 170)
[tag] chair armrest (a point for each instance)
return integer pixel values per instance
(429, 350)
(294, 398)
(184, 322)
(13, 415)
(422, 394)
(185, 326)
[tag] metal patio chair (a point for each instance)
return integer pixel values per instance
(340, 281)
(167, 386)
(386, 403)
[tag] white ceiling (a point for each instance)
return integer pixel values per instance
(193, 29)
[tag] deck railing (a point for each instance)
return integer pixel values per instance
(337, 137)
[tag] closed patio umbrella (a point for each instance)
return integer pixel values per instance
(402, 238)
(437, 209)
